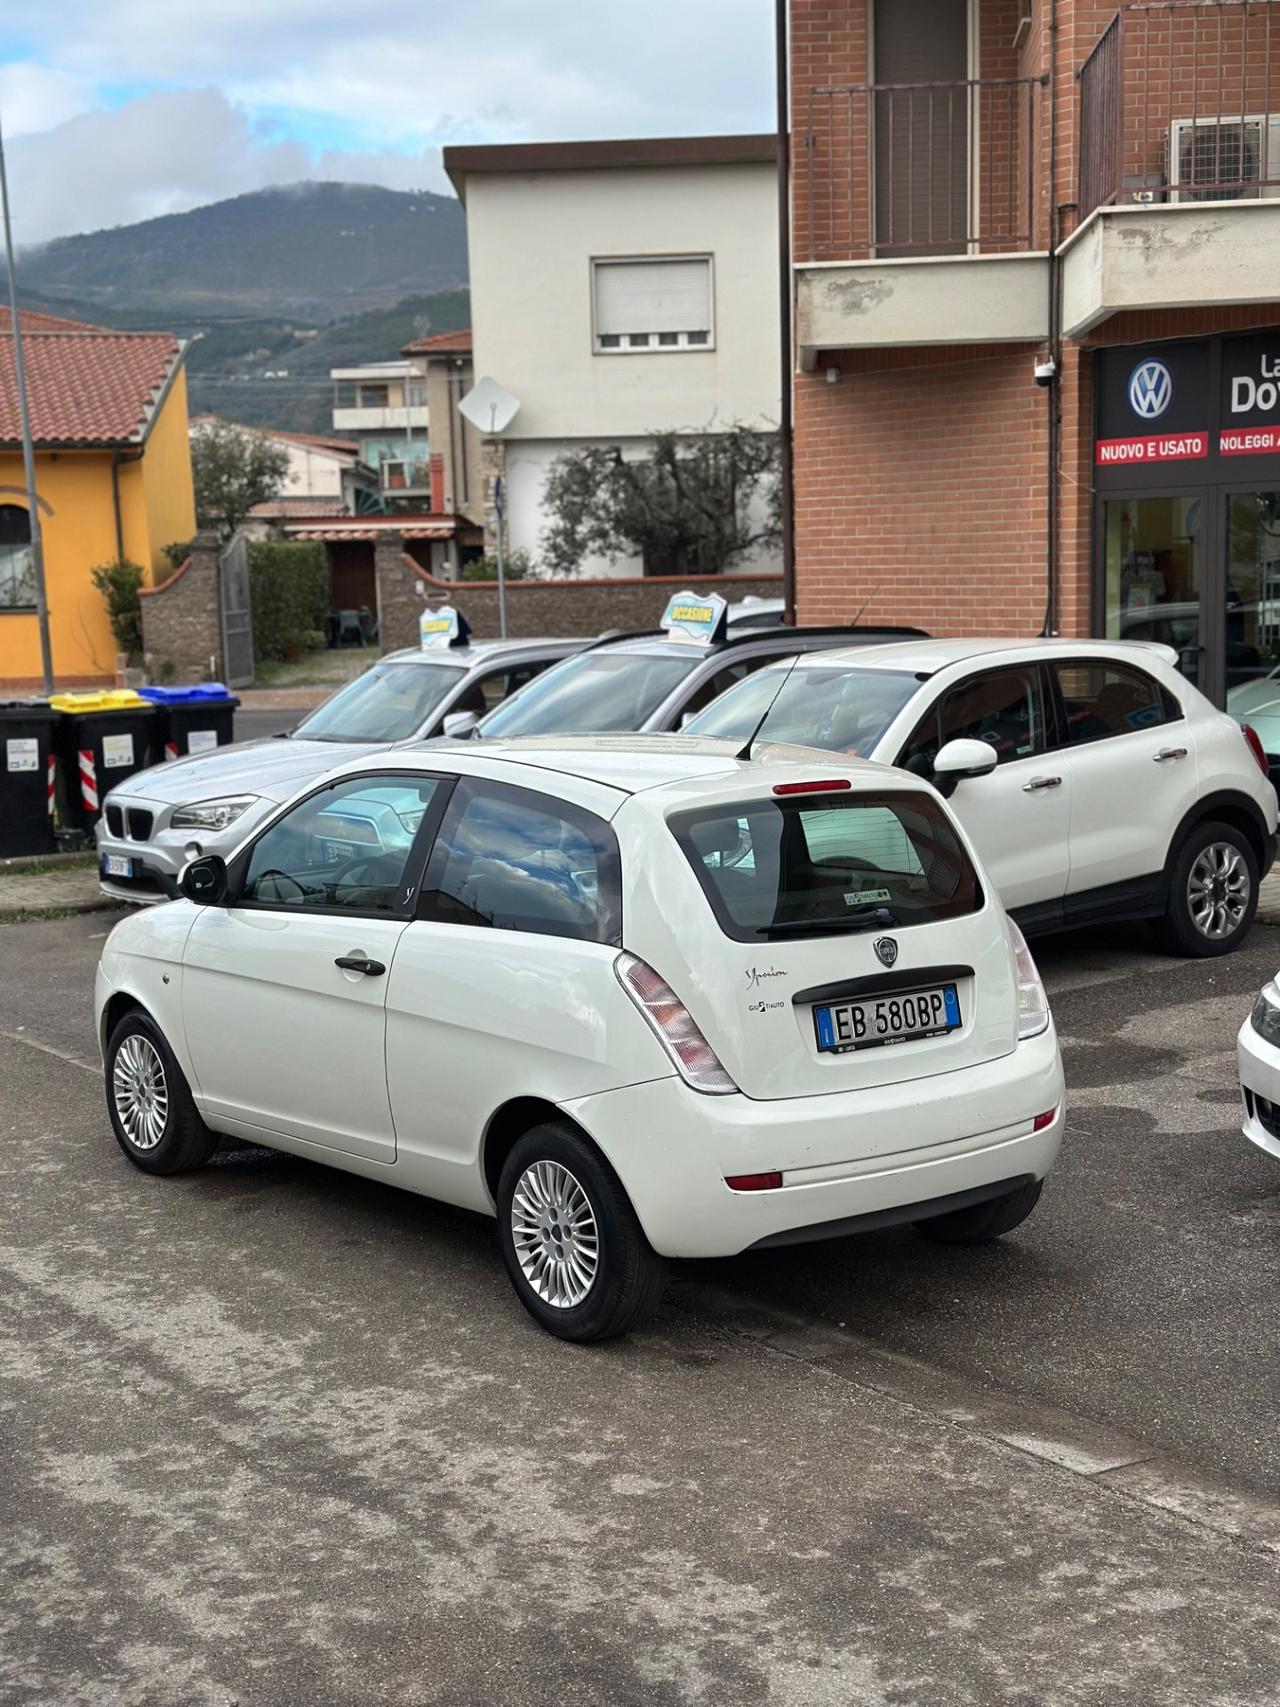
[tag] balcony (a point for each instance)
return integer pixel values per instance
(404, 476)
(918, 215)
(378, 419)
(1179, 169)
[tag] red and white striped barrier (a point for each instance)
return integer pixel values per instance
(170, 750)
(88, 780)
(51, 776)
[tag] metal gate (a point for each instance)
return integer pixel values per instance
(237, 618)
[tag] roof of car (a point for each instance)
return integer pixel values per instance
(484, 651)
(740, 634)
(927, 657)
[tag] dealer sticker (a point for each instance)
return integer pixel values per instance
(22, 755)
(117, 751)
(202, 740)
(866, 897)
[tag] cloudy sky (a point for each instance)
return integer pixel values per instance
(115, 110)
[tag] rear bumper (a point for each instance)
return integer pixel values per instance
(851, 1155)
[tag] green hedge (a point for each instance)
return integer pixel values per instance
(289, 591)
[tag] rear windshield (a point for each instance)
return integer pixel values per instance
(593, 692)
(837, 706)
(807, 867)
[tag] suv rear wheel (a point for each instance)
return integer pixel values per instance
(573, 1247)
(1213, 891)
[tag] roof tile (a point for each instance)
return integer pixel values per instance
(86, 388)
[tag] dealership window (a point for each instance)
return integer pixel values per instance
(653, 303)
(17, 569)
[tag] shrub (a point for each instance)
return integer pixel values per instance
(118, 583)
(517, 567)
(289, 594)
(176, 552)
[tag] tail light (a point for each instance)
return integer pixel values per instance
(1255, 747)
(674, 1027)
(1033, 1004)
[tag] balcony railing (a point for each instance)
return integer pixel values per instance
(404, 476)
(1180, 102)
(920, 169)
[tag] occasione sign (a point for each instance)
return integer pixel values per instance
(1159, 404)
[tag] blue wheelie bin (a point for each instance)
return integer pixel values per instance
(194, 718)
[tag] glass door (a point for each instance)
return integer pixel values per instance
(1153, 573)
(1252, 613)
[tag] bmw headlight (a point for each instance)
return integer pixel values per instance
(1265, 1017)
(212, 814)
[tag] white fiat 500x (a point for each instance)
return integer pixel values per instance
(639, 998)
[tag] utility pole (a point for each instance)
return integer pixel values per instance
(28, 447)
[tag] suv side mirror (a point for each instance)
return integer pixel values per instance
(962, 758)
(204, 881)
(460, 725)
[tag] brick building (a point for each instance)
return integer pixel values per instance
(986, 188)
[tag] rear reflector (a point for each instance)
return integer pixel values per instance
(835, 784)
(1255, 746)
(1043, 1120)
(753, 1182)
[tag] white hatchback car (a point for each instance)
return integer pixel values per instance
(1258, 1052)
(1096, 782)
(636, 996)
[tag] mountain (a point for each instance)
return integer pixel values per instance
(316, 251)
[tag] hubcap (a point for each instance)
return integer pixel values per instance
(555, 1235)
(1218, 890)
(140, 1091)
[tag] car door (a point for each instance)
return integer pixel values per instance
(504, 985)
(284, 988)
(1127, 751)
(1018, 816)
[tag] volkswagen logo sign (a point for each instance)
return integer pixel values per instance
(886, 949)
(1150, 390)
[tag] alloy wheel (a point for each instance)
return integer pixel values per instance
(140, 1091)
(553, 1228)
(1218, 890)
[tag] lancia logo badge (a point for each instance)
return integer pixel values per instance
(887, 950)
(1150, 390)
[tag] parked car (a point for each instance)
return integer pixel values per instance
(652, 682)
(1096, 782)
(755, 612)
(151, 824)
(1258, 1052)
(630, 995)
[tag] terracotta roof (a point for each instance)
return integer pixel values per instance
(345, 446)
(300, 507)
(426, 526)
(34, 320)
(439, 343)
(88, 388)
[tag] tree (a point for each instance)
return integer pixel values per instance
(234, 468)
(694, 506)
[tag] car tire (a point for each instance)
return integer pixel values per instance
(1213, 888)
(149, 1101)
(983, 1221)
(574, 1250)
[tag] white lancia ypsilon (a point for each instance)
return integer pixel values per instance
(639, 997)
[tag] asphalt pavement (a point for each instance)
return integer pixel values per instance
(275, 1435)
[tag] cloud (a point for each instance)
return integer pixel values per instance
(242, 93)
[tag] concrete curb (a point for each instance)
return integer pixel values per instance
(25, 910)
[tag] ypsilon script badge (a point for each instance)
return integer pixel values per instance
(887, 950)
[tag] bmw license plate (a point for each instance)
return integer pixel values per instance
(881, 1020)
(116, 865)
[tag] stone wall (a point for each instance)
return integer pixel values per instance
(182, 619)
(585, 607)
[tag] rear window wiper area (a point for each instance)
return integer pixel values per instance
(860, 919)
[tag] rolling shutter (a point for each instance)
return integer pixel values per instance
(652, 296)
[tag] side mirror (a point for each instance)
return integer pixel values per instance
(204, 881)
(960, 759)
(460, 725)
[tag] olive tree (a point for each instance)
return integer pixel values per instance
(234, 468)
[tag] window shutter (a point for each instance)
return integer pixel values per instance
(652, 296)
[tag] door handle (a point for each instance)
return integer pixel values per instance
(360, 963)
(1038, 783)
(1169, 753)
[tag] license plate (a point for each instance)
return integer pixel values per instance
(882, 1020)
(116, 865)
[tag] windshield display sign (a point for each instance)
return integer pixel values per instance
(438, 628)
(689, 616)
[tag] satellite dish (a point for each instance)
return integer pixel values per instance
(490, 408)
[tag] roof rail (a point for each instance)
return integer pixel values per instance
(744, 636)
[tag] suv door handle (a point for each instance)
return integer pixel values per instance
(1038, 783)
(360, 963)
(1169, 753)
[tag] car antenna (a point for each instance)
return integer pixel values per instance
(750, 742)
(874, 593)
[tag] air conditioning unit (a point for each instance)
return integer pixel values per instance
(1234, 154)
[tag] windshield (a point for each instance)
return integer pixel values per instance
(844, 709)
(593, 692)
(390, 702)
(827, 864)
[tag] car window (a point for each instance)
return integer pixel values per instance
(484, 692)
(841, 707)
(1101, 700)
(595, 691)
(721, 682)
(514, 860)
(390, 702)
(1004, 708)
(805, 868)
(348, 846)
